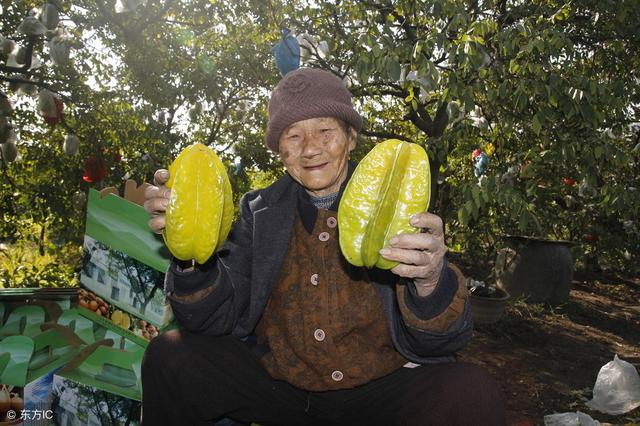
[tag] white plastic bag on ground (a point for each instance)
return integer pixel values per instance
(570, 419)
(617, 388)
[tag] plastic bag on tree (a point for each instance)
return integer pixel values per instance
(6, 45)
(13, 61)
(195, 111)
(9, 151)
(323, 49)
(46, 103)
(18, 59)
(27, 89)
(50, 106)
(50, 16)
(31, 26)
(123, 6)
(570, 419)
(5, 128)
(59, 47)
(8, 136)
(71, 144)
(95, 170)
(286, 52)
(617, 388)
(6, 108)
(307, 46)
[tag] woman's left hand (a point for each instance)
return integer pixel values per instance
(420, 256)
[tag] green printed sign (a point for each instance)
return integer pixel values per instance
(123, 226)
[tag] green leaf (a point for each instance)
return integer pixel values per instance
(475, 193)
(363, 68)
(490, 186)
(467, 191)
(492, 95)
(503, 90)
(536, 124)
(598, 152)
(523, 223)
(588, 113)
(393, 68)
(566, 105)
(485, 194)
(417, 48)
(514, 67)
(521, 100)
(464, 215)
(471, 209)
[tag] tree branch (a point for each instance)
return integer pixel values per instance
(359, 91)
(169, 125)
(142, 25)
(384, 135)
(47, 86)
(421, 124)
(220, 117)
(111, 17)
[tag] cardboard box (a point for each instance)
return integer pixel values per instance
(66, 366)
(24, 315)
(27, 366)
(125, 283)
(73, 356)
(124, 260)
(78, 404)
(23, 311)
(90, 328)
(102, 384)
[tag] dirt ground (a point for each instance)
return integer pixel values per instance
(547, 358)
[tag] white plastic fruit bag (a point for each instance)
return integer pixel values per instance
(617, 388)
(570, 419)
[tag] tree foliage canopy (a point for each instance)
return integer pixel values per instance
(548, 89)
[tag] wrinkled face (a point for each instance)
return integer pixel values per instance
(315, 153)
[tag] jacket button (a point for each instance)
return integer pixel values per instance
(337, 375)
(332, 222)
(324, 236)
(314, 279)
(319, 335)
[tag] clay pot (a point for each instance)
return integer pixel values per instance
(489, 309)
(536, 269)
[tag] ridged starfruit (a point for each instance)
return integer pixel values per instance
(389, 185)
(200, 210)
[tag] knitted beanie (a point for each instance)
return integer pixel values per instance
(308, 93)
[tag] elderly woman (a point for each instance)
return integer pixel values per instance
(277, 328)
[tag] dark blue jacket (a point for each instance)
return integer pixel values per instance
(241, 274)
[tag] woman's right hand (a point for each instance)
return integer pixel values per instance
(156, 199)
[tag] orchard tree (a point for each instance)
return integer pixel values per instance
(139, 81)
(528, 110)
(547, 90)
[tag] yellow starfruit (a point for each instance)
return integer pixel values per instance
(121, 319)
(389, 185)
(200, 210)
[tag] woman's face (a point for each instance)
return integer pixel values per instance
(315, 153)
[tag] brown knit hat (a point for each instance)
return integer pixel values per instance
(308, 93)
